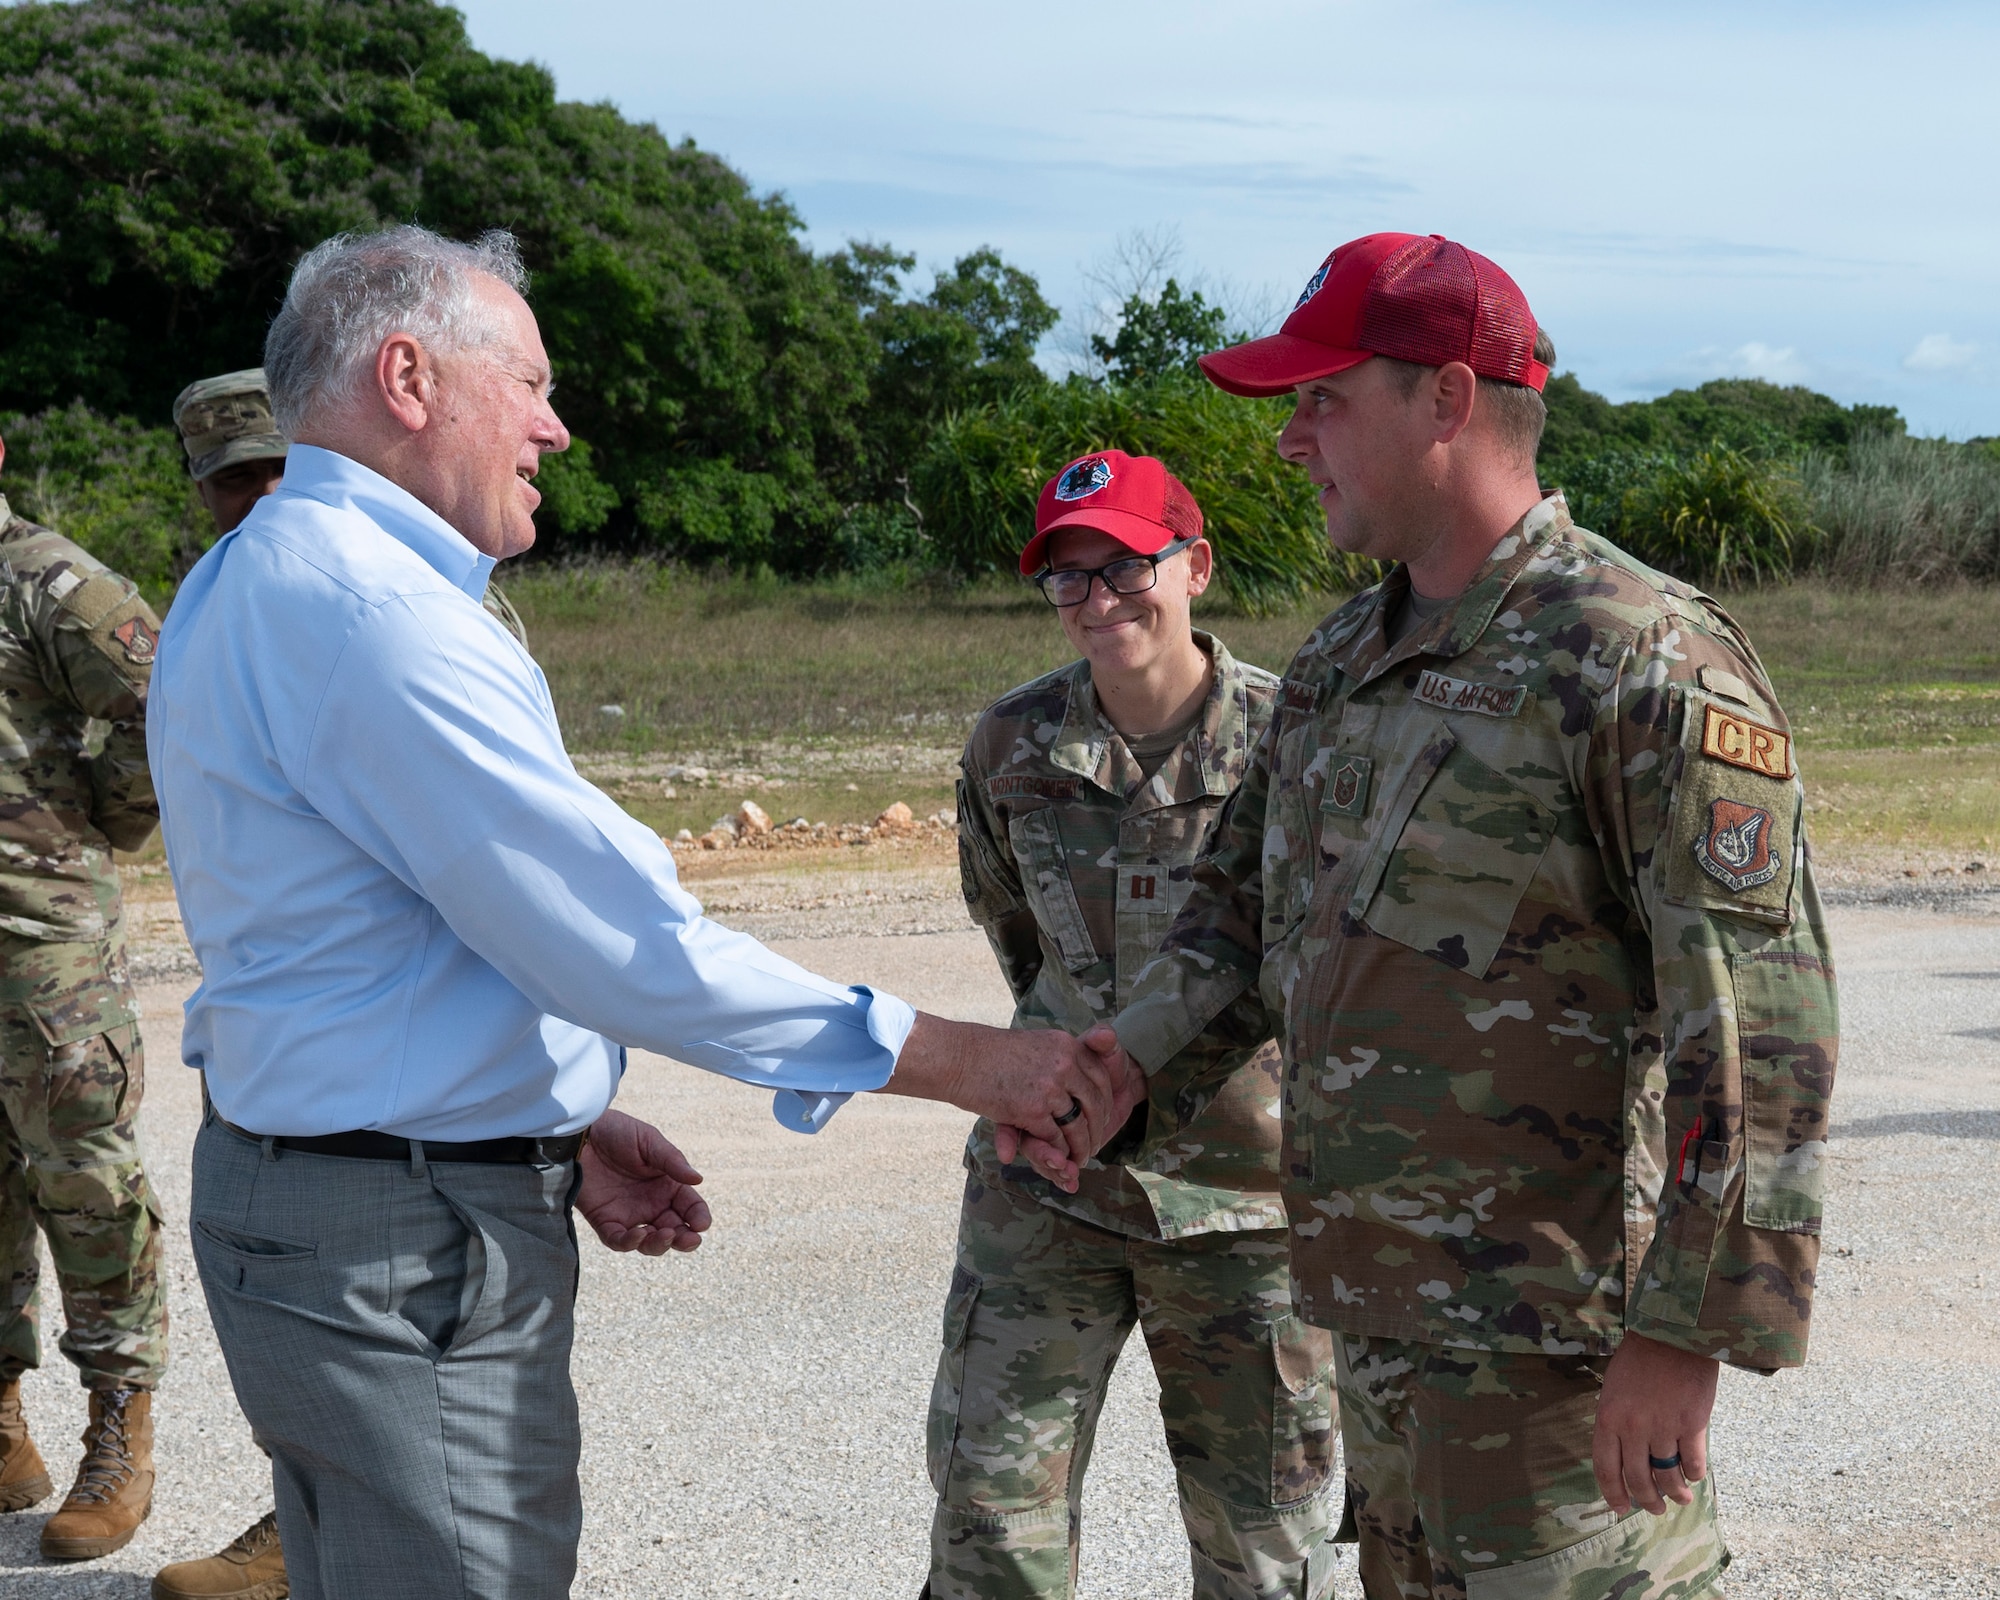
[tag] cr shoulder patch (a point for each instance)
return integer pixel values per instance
(140, 642)
(1455, 694)
(1029, 788)
(1347, 786)
(1736, 851)
(1742, 743)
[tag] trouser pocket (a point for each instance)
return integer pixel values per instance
(948, 1391)
(1302, 1410)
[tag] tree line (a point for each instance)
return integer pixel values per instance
(736, 396)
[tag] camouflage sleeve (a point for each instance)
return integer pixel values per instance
(1208, 967)
(98, 638)
(993, 894)
(1701, 815)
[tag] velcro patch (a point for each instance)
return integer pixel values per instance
(1347, 786)
(1455, 694)
(1742, 743)
(1297, 695)
(1026, 788)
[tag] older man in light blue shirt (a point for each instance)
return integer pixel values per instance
(425, 943)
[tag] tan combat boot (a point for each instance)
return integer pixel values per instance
(252, 1568)
(24, 1477)
(114, 1484)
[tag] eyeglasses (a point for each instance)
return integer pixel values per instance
(1127, 575)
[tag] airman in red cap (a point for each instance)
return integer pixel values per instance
(1520, 873)
(1085, 799)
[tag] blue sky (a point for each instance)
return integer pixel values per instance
(1805, 193)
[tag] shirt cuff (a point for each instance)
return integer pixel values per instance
(889, 1023)
(806, 1110)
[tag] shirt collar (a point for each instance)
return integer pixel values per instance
(1089, 746)
(1464, 622)
(337, 480)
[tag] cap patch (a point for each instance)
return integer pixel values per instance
(1736, 849)
(1084, 478)
(1743, 743)
(1314, 284)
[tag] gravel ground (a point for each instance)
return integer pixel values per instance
(753, 1414)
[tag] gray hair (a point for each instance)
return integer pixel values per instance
(350, 293)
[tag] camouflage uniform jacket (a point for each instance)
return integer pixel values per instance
(76, 651)
(1074, 864)
(1530, 898)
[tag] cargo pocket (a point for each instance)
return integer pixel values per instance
(1037, 840)
(941, 1434)
(1786, 1023)
(1301, 1410)
(1676, 1269)
(1642, 1557)
(1459, 866)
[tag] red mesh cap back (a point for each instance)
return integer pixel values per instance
(1434, 301)
(1412, 298)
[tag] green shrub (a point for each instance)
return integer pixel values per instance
(978, 481)
(118, 489)
(1717, 517)
(1906, 510)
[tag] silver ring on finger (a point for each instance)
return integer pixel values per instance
(1076, 1110)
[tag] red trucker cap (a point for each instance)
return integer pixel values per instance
(1133, 498)
(1402, 295)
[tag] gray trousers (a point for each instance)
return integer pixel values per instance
(399, 1337)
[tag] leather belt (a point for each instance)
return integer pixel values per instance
(365, 1144)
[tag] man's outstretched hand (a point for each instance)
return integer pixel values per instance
(1021, 1078)
(638, 1191)
(1128, 1091)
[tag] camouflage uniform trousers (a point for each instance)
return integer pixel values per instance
(1468, 1473)
(69, 1162)
(1040, 1305)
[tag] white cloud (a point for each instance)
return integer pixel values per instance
(1940, 352)
(1759, 360)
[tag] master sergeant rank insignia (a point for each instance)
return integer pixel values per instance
(1347, 787)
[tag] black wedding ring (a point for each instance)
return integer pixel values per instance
(1664, 1463)
(1076, 1110)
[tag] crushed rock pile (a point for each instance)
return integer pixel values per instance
(749, 827)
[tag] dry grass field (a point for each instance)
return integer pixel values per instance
(830, 701)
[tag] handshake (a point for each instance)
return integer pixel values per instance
(1054, 1101)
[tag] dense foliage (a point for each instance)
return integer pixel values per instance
(736, 397)
(120, 491)
(1742, 481)
(166, 161)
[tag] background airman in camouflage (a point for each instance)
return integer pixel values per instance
(1076, 843)
(1520, 872)
(76, 651)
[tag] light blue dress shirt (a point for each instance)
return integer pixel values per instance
(411, 913)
